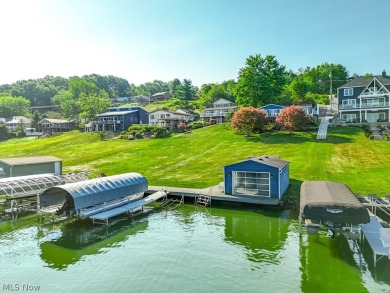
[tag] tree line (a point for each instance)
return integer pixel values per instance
(262, 80)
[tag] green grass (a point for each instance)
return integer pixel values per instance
(196, 159)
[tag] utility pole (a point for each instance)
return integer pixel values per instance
(330, 89)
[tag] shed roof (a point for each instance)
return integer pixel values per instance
(96, 191)
(331, 201)
(116, 113)
(267, 160)
(30, 160)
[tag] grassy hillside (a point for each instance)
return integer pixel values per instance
(196, 159)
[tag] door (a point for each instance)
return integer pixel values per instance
(57, 168)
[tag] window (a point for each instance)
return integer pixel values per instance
(349, 103)
(168, 115)
(349, 117)
(152, 117)
(348, 92)
(251, 183)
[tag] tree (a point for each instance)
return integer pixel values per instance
(186, 91)
(249, 120)
(261, 80)
(68, 104)
(174, 85)
(78, 86)
(293, 118)
(14, 106)
(210, 93)
(35, 119)
(4, 133)
(91, 104)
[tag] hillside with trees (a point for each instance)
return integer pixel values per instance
(262, 80)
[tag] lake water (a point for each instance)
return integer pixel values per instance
(189, 249)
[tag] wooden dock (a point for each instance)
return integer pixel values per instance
(216, 194)
(372, 232)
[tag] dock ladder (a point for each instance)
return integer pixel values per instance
(204, 199)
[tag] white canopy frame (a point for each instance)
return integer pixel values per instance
(32, 185)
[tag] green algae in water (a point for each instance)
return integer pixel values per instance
(189, 249)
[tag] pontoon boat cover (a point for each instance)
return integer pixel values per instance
(331, 201)
(96, 191)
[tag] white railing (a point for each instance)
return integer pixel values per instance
(364, 105)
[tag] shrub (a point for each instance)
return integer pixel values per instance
(249, 120)
(197, 124)
(293, 118)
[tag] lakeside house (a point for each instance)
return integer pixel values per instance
(48, 125)
(262, 176)
(119, 119)
(168, 119)
(218, 113)
(365, 99)
(272, 110)
(14, 122)
(160, 96)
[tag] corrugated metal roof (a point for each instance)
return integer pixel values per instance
(88, 193)
(29, 160)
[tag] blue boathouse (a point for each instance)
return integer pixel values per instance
(260, 176)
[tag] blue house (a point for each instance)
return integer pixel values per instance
(119, 119)
(272, 110)
(365, 99)
(261, 176)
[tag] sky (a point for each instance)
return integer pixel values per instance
(206, 41)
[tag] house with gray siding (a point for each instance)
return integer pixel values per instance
(262, 176)
(365, 99)
(119, 119)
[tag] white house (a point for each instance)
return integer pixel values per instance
(16, 121)
(220, 110)
(168, 119)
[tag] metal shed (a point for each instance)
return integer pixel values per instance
(263, 176)
(91, 193)
(23, 166)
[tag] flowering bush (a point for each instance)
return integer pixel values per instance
(249, 120)
(293, 118)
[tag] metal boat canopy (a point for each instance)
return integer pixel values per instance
(331, 201)
(96, 191)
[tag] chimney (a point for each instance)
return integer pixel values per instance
(384, 73)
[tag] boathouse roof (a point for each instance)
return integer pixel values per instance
(96, 191)
(331, 201)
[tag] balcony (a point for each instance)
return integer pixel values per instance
(364, 106)
(214, 114)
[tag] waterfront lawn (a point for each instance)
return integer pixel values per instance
(195, 159)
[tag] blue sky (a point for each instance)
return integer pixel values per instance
(205, 41)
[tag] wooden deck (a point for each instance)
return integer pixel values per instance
(216, 194)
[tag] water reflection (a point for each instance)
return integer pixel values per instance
(337, 265)
(81, 238)
(262, 233)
